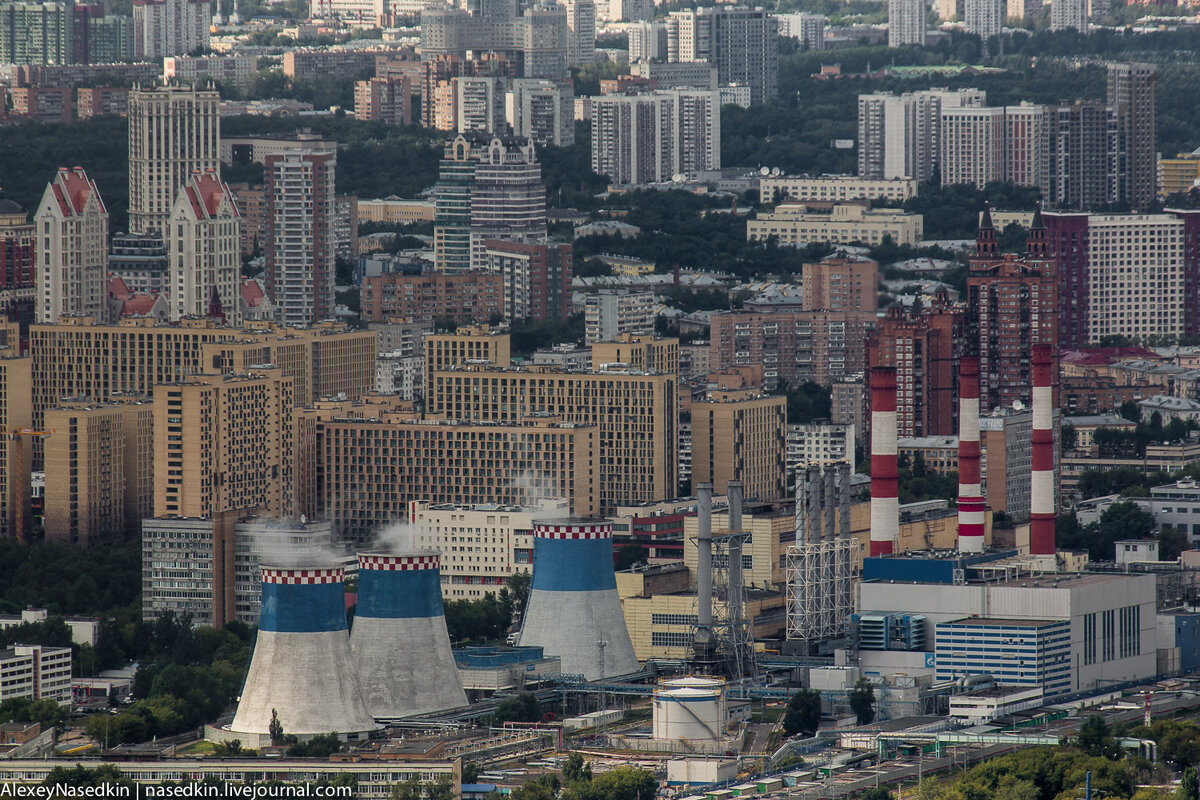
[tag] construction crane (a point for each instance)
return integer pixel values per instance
(20, 466)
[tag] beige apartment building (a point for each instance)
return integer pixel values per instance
(646, 352)
(224, 443)
(740, 434)
(840, 284)
(373, 468)
(99, 464)
(15, 412)
(806, 223)
(79, 357)
(477, 343)
(835, 188)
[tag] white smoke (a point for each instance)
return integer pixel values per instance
(402, 537)
(293, 545)
(539, 490)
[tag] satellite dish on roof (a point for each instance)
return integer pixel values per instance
(775, 172)
(678, 177)
(1018, 405)
(765, 171)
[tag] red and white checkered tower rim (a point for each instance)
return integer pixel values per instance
(406, 562)
(885, 497)
(1041, 500)
(970, 489)
(568, 529)
(301, 576)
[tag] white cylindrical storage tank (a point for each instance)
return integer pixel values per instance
(689, 713)
(573, 610)
(400, 644)
(301, 668)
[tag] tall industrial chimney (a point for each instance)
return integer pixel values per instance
(885, 498)
(736, 578)
(704, 579)
(1041, 505)
(970, 488)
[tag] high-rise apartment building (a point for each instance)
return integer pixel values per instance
(900, 136)
(924, 347)
(173, 132)
(742, 43)
(537, 39)
(643, 352)
(647, 41)
(610, 313)
(170, 27)
(651, 137)
(984, 18)
(37, 33)
(1012, 305)
(906, 22)
(972, 143)
(1069, 15)
(71, 244)
(1027, 146)
(224, 443)
(840, 284)
(300, 247)
(793, 346)
(739, 434)
(18, 285)
(809, 29)
(542, 111)
(1084, 155)
(479, 104)
(536, 274)
(581, 32)
(462, 299)
(1125, 276)
(387, 100)
(204, 258)
(1131, 94)
(99, 466)
(16, 412)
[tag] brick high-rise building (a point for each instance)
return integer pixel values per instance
(924, 347)
(387, 100)
(173, 132)
(18, 285)
(300, 246)
(72, 247)
(463, 299)
(224, 443)
(1012, 305)
(840, 284)
(536, 274)
(204, 261)
(741, 435)
(793, 346)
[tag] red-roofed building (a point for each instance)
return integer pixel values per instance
(254, 301)
(71, 245)
(204, 264)
(123, 302)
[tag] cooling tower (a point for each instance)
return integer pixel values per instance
(400, 644)
(573, 610)
(301, 667)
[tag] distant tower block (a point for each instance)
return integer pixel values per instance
(573, 611)
(399, 641)
(301, 667)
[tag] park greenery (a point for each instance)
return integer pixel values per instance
(1124, 520)
(579, 783)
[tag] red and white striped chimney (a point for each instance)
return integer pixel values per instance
(970, 485)
(885, 498)
(1041, 505)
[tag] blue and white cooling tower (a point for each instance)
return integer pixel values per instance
(301, 667)
(400, 644)
(573, 610)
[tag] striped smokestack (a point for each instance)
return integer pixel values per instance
(885, 499)
(970, 489)
(1041, 506)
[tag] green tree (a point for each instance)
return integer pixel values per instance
(522, 708)
(470, 772)
(576, 769)
(1189, 786)
(406, 790)
(622, 783)
(1172, 542)
(441, 789)
(82, 777)
(321, 746)
(275, 729)
(1096, 739)
(543, 787)
(630, 554)
(862, 701)
(803, 713)
(879, 793)
(229, 749)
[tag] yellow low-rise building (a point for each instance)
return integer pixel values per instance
(805, 223)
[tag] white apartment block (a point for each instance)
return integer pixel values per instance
(819, 443)
(301, 245)
(542, 111)
(906, 22)
(835, 188)
(647, 41)
(651, 137)
(808, 29)
(173, 132)
(900, 136)
(1135, 276)
(37, 672)
(400, 374)
(359, 9)
(238, 70)
(1068, 15)
(581, 32)
(611, 312)
(170, 27)
(984, 18)
(794, 224)
(972, 146)
(479, 104)
(481, 545)
(71, 247)
(204, 254)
